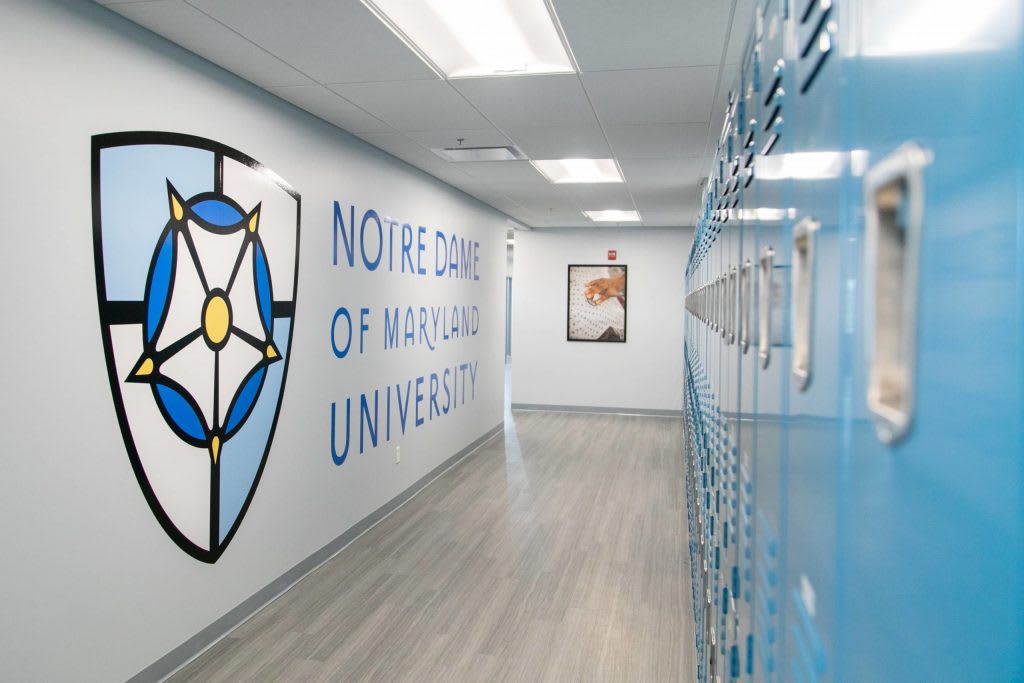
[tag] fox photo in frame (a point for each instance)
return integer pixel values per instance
(597, 303)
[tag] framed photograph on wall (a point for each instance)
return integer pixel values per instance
(597, 303)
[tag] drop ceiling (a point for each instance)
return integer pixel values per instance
(653, 84)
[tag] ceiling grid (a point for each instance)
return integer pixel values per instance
(648, 76)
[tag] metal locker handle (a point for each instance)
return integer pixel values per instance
(723, 304)
(719, 297)
(714, 305)
(894, 212)
(746, 299)
(802, 294)
(764, 333)
(718, 304)
(732, 305)
(711, 304)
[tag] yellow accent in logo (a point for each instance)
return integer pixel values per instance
(271, 351)
(216, 319)
(176, 208)
(254, 221)
(146, 368)
(215, 448)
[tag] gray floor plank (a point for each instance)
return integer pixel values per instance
(555, 554)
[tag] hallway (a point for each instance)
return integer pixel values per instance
(557, 554)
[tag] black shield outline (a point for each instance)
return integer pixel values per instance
(119, 312)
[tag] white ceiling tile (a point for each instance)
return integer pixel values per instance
(396, 144)
(540, 198)
(563, 219)
(414, 105)
(185, 25)
(502, 171)
(681, 95)
(561, 142)
(668, 218)
(332, 41)
(608, 35)
(681, 198)
(331, 107)
(657, 140)
(600, 196)
(545, 197)
(489, 194)
(443, 170)
(658, 173)
(519, 213)
(529, 100)
(500, 203)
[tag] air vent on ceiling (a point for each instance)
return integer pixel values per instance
(507, 153)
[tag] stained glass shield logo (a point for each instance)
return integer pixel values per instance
(196, 249)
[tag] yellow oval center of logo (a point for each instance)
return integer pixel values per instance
(216, 319)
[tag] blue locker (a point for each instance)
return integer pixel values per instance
(813, 168)
(768, 140)
(746, 343)
(933, 478)
(866, 448)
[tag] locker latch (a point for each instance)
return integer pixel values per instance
(894, 209)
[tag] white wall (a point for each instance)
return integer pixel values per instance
(93, 589)
(644, 373)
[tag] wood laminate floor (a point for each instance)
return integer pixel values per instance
(556, 553)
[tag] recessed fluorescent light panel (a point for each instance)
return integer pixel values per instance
(507, 153)
(579, 170)
(613, 216)
(473, 38)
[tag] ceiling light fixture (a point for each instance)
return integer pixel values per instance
(579, 170)
(613, 216)
(458, 154)
(473, 38)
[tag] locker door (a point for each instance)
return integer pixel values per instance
(766, 139)
(732, 244)
(932, 520)
(815, 166)
(746, 351)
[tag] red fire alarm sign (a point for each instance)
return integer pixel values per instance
(612, 254)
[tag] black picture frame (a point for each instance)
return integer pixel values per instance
(569, 303)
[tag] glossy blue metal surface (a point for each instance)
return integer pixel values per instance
(861, 517)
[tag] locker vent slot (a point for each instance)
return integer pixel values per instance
(773, 89)
(817, 35)
(774, 103)
(811, 37)
(809, 8)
